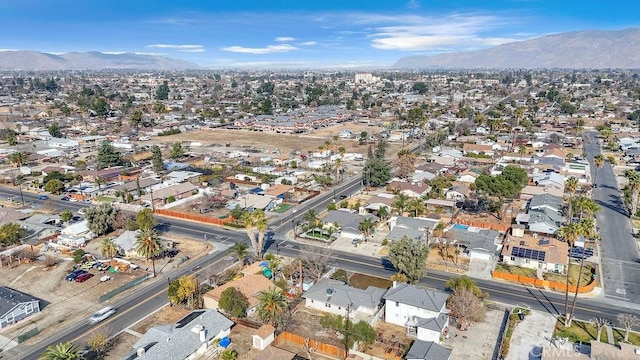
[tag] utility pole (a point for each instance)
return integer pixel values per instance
(346, 331)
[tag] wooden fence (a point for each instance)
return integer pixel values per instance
(193, 217)
(483, 225)
(556, 286)
(323, 348)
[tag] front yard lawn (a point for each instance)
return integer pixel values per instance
(573, 275)
(578, 331)
(516, 270)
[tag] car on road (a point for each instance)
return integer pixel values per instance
(43, 197)
(74, 274)
(84, 277)
(342, 197)
(73, 200)
(64, 198)
(81, 211)
(101, 315)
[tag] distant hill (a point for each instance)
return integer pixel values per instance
(592, 49)
(33, 60)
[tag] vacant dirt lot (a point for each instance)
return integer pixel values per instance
(122, 345)
(69, 301)
(305, 322)
(268, 142)
(167, 315)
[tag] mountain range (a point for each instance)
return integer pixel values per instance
(591, 49)
(33, 60)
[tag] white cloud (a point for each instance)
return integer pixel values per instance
(308, 43)
(265, 50)
(420, 33)
(8, 50)
(284, 39)
(413, 4)
(177, 47)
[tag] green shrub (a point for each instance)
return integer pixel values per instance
(340, 275)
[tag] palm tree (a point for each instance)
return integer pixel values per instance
(365, 226)
(255, 220)
(100, 181)
(522, 150)
(588, 230)
(239, 250)
(633, 182)
(570, 186)
(109, 248)
(149, 245)
(416, 206)
(598, 160)
(272, 306)
(570, 233)
(438, 231)
(400, 203)
(62, 351)
(311, 218)
(17, 158)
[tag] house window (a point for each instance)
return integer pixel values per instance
(397, 304)
(513, 259)
(327, 305)
(312, 301)
(412, 331)
(29, 308)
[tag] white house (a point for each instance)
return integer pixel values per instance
(63, 143)
(334, 296)
(420, 310)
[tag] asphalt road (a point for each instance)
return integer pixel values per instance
(618, 248)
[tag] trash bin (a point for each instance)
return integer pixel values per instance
(521, 316)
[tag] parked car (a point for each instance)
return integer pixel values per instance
(205, 210)
(42, 197)
(64, 198)
(105, 278)
(102, 314)
(84, 277)
(74, 274)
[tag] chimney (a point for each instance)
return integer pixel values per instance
(140, 352)
(395, 283)
(203, 335)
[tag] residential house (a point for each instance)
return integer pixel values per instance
(417, 229)
(399, 232)
(126, 243)
(189, 338)
(427, 350)
(479, 243)
(458, 193)
(132, 186)
(549, 179)
(535, 252)
(175, 192)
(468, 176)
(411, 189)
(530, 190)
(477, 149)
(278, 192)
(62, 143)
(348, 223)
(334, 296)
(252, 202)
(546, 201)
(249, 285)
(544, 215)
(420, 310)
(16, 306)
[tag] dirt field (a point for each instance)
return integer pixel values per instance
(242, 342)
(436, 262)
(121, 346)
(272, 141)
(304, 322)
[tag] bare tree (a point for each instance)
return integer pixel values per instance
(466, 307)
(627, 321)
(600, 323)
(316, 261)
(309, 349)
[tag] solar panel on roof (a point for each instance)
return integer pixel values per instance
(544, 242)
(528, 253)
(189, 318)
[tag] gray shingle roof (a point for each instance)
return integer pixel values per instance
(346, 220)
(482, 239)
(342, 294)
(399, 232)
(434, 324)
(416, 223)
(178, 342)
(549, 200)
(427, 350)
(9, 298)
(423, 298)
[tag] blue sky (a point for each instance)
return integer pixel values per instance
(298, 33)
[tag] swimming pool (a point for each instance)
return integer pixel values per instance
(459, 226)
